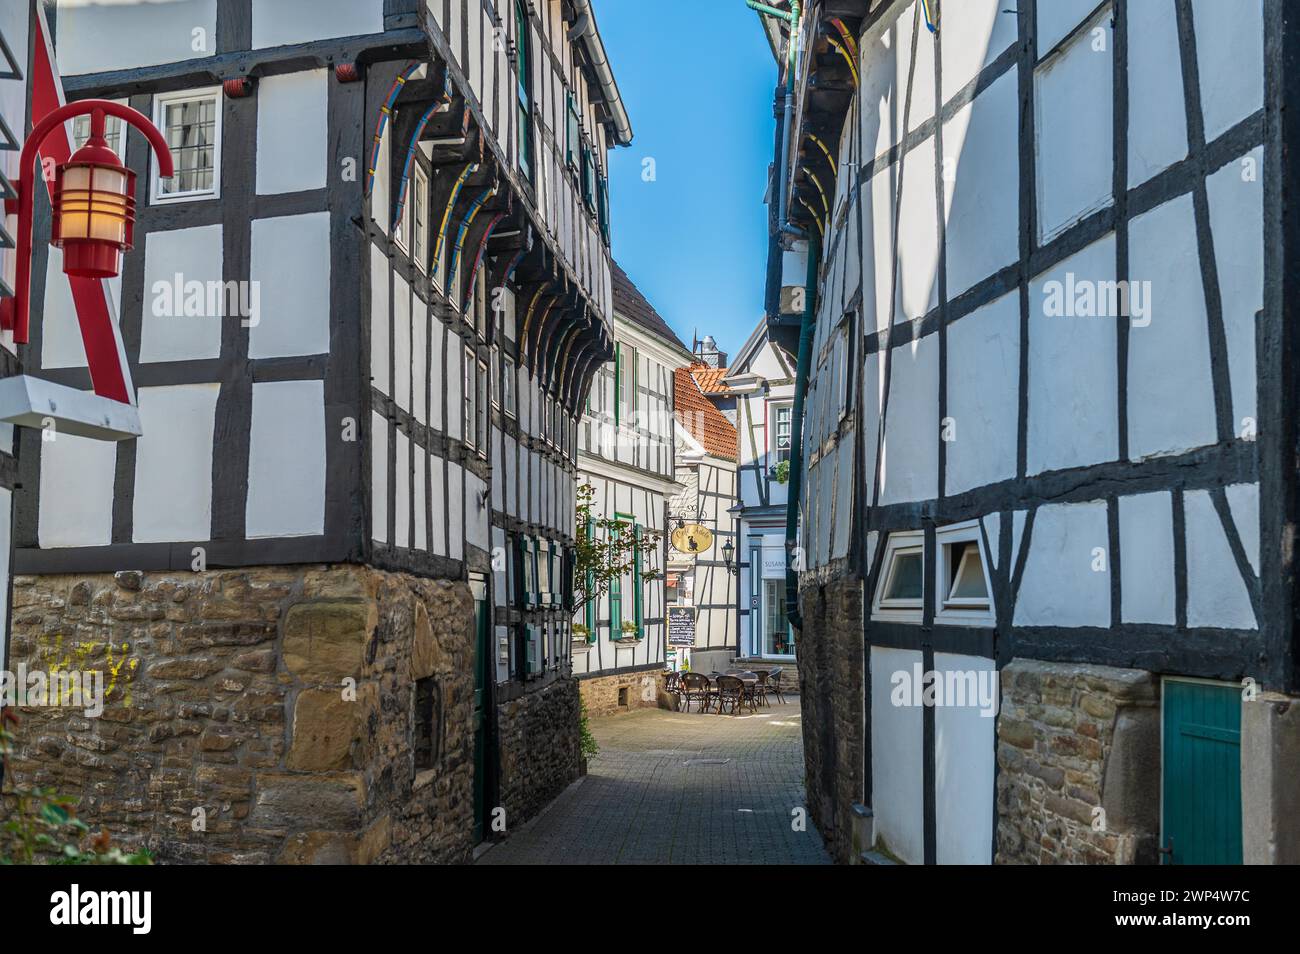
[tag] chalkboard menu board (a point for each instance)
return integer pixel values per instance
(681, 626)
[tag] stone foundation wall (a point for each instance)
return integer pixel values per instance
(1079, 765)
(641, 690)
(259, 715)
(830, 699)
(539, 748)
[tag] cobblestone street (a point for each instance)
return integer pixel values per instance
(679, 788)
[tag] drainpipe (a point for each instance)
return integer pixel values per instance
(792, 17)
(795, 487)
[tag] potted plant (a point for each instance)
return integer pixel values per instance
(581, 636)
(780, 472)
(629, 629)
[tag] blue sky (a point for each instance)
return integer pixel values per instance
(697, 80)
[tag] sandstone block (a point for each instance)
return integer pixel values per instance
(324, 641)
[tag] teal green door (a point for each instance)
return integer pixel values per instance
(482, 666)
(1202, 774)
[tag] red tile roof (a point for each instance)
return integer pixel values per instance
(710, 379)
(701, 418)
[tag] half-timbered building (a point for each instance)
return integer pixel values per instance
(761, 380)
(626, 441)
(1030, 258)
(705, 580)
(366, 316)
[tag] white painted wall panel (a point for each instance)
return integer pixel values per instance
(910, 464)
(1072, 373)
(1157, 116)
(1230, 61)
(94, 36)
(1236, 198)
(1243, 501)
(379, 324)
(402, 493)
(456, 510)
(1216, 593)
(964, 745)
(986, 28)
(1060, 587)
(984, 395)
(918, 235)
(897, 784)
(181, 320)
(291, 132)
(283, 22)
(1057, 18)
(286, 460)
(1146, 546)
(61, 345)
(173, 463)
(378, 478)
(1072, 119)
(438, 495)
(1169, 358)
(982, 185)
(420, 502)
(401, 342)
(295, 313)
(76, 502)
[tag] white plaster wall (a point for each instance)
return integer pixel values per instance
(877, 69)
(897, 783)
(1230, 61)
(401, 342)
(1216, 593)
(1060, 586)
(1146, 546)
(420, 502)
(1056, 18)
(168, 334)
(1157, 120)
(984, 395)
(173, 463)
(1236, 199)
(402, 493)
(923, 91)
(455, 351)
(286, 460)
(61, 344)
(283, 22)
(379, 272)
(918, 235)
(295, 313)
(910, 458)
(437, 338)
(1169, 359)
(1072, 373)
(456, 510)
(964, 746)
(1072, 121)
(420, 381)
(291, 132)
(94, 36)
(1243, 502)
(76, 501)
(438, 492)
(378, 478)
(982, 185)
(986, 28)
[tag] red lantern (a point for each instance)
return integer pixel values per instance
(93, 203)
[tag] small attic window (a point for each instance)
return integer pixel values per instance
(962, 576)
(901, 591)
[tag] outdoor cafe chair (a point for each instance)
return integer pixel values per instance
(696, 688)
(731, 692)
(774, 684)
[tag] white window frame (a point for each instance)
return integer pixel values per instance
(774, 454)
(960, 613)
(160, 104)
(899, 610)
(420, 218)
(509, 385)
(120, 149)
(482, 403)
(402, 230)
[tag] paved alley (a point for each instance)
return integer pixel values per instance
(679, 788)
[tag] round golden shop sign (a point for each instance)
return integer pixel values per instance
(692, 538)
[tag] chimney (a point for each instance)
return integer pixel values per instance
(706, 352)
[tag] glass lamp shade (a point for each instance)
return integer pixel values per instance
(94, 212)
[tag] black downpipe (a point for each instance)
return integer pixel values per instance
(802, 370)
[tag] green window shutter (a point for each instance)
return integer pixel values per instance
(572, 132)
(604, 209)
(636, 582)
